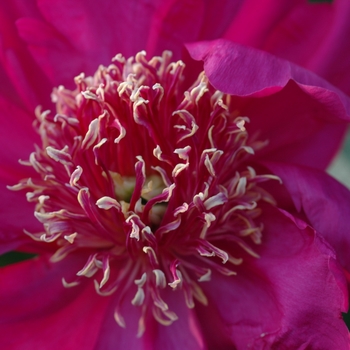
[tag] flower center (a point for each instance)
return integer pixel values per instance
(148, 182)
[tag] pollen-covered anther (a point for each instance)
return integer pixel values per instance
(206, 277)
(151, 255)
(91, 135)
(135, 229)
(70, 238)
(177, 279)
(179, 168)
(108, 203)
(164, 317)
(140, 294)
(62, 156)
(209, 218)
(208, 250)
(69, 284)
(183, 153)
(160, 278)
(74, 178)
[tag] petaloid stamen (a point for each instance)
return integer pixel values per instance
(153, 185)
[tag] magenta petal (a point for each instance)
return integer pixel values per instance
(18, 70)
(241, 70)
(292, 296)
(111, 335)
(290, 107)
(173, 23)
(295, 126)
(213, 28)
(324, 202)
(118, 27)
(36, 310)
(17, 139)
(13, 221)
(240, 309)
(60, 40)
(16, 213)
(183, 334)
(52, 52)
(296, 31)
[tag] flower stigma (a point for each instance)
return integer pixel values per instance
(148, 182)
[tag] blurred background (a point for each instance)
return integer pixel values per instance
(340, 168)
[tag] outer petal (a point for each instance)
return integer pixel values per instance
(60, 35)
(291, 107)
(22, 81)
(13, 221)
(15, 142)
(36, 310)
(256, 73)
(323, 201)
(59, 60)
(218, 19)
(122, 27)
(17, 139)
(296, 31)
(183, 334)
(60, 39)
(290, 298)
(112, 336)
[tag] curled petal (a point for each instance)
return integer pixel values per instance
(267, 88)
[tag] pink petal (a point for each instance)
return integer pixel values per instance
(13, 221)
(174, 22)
(296, 31)
(36, 310)
(324, 202)
(240, 309)
(61, 39)
(296, 126)
(217, 19)
(17, 139)
(54, 54)
(22, 80)
(255, 72)
(291, 297)
(111, 335)
(16, 142)
(160, 25)
(185, 333)
(291, 107)
(182, 334)
(118, 27)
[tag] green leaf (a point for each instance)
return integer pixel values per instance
(14, 257)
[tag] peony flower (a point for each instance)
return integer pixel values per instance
(170, 211)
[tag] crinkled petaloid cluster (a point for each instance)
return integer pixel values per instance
(148, 181)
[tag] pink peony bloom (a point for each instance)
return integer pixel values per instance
(170, 211)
